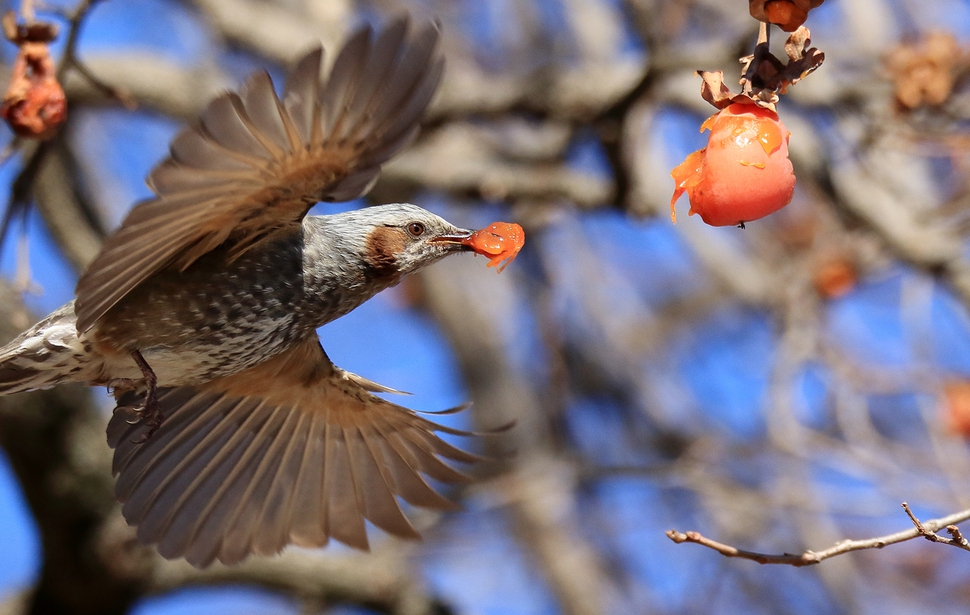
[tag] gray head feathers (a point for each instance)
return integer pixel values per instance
(393, 240)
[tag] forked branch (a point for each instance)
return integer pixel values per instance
(926, 529)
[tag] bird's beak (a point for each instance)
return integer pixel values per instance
(457, 241)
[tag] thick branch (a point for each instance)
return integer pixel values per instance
(382, 580)
(459, 158)
(64, 212)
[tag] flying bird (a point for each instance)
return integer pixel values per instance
(234, 433)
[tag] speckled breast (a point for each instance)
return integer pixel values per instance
(214, 319)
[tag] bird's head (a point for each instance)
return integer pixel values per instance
(402, 238)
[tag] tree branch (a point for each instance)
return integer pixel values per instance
(382, 580)
(70, 59)
(956, 540)
(810, 558)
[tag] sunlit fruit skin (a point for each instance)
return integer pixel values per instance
(744, 172)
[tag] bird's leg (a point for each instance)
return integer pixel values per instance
(148, 411)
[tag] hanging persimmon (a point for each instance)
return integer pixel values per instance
(744, 172)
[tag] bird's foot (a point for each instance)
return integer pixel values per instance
(150, 414)
(148, 411)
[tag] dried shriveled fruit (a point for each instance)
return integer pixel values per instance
(743, 174)
(924, 72)
(34, 104)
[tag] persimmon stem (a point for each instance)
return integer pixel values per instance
(761, 51)
(764, 34)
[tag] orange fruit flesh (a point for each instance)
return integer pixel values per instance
(500, 242)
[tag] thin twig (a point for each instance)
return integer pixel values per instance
(957, 539)
(809, 558)
(71, 60)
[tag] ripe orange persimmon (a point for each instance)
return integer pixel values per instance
(743, 174)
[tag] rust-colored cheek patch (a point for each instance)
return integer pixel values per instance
(383, 246)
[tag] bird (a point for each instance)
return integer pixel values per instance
(234, 433)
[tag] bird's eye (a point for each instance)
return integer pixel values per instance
(416, 229)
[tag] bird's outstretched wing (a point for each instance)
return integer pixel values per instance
(254, 164)
(294, 450)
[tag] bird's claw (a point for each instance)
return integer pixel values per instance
(148, 411)
(122, 384)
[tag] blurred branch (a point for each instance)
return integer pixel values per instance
(891, 194)
(382, 580)
(157, 84)
(46, 180)
(809, 558)
(461, 159)
(567, 92)
(541, 489)
(65, 213)
(279, 35)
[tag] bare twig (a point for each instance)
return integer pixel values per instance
(957, 539)
(71, 60)
(809, 558)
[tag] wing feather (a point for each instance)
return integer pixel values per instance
(251, 447)
(306, 509)
(270, 529)
(261, 113)
(254, 164)
(344, 515)
(299, 96)
(203, 497)
(374, 491)
(169, 493)
(221, 121)
(335, 98)
(380, 62)
(406, 479)
(293, 450)
(241, 523)
(192, 149)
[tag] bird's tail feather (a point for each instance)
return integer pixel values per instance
(45, 355)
